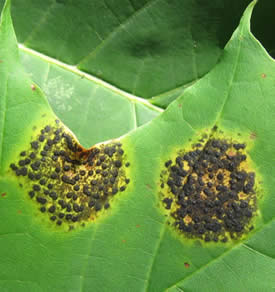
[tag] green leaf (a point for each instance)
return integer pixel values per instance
(134, 45)
(18, 99)
(70, 91)
(238, 97)
(92, 109)
(131, 247)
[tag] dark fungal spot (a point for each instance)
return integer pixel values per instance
(43, 153)
(96, 196)
(43, 209)
(61, 215)
(69, 208)
(46, 148)
(75, 218)
(82, 172)
(66, 168)
(94, 182)
(53, 218)
(53, 195)
(54, 158)
(66, 179)
(115, 173)
(51, 209)
(47, 129)
(117, 163)
(37, 176)
(23, 171)
(98, 206)
(27, 161)
(68, 183)
(68, 216)
(239, 146)
(209, 191)
(41, 200)
(32, 155)
(76, 188)
(54, 176)
(62, 204)
(34, 166)
(168, 163)
(91, 203)
(122, 188)
(59, 222)
(21, 162)
(36, 188)
(13, 167)
(168, 203)
(76, 207)
(114, 190)
(49, 142)
(34, 145)
(41, 138)
(105, 173)
(46, 192)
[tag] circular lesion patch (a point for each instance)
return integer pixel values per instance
(209, 191)
(69, 184)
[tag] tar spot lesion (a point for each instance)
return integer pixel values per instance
(69, 184)
(209, 191)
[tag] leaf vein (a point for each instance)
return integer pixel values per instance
(39, 24)
(162, 232)
(257, 252)
(116, 30)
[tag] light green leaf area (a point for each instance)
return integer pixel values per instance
(92, 109)
(20, 105)
(132, 248)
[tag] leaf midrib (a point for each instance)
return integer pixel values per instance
(99, 82)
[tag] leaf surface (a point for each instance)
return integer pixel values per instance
(92, 109)
(133, 248)
(133, 45)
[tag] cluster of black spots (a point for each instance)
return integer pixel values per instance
(71, 184)
(208, 191)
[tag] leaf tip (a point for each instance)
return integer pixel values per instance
(247, 14)
(6, 11)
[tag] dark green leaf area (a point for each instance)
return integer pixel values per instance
(69, 184)
(210, 190)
